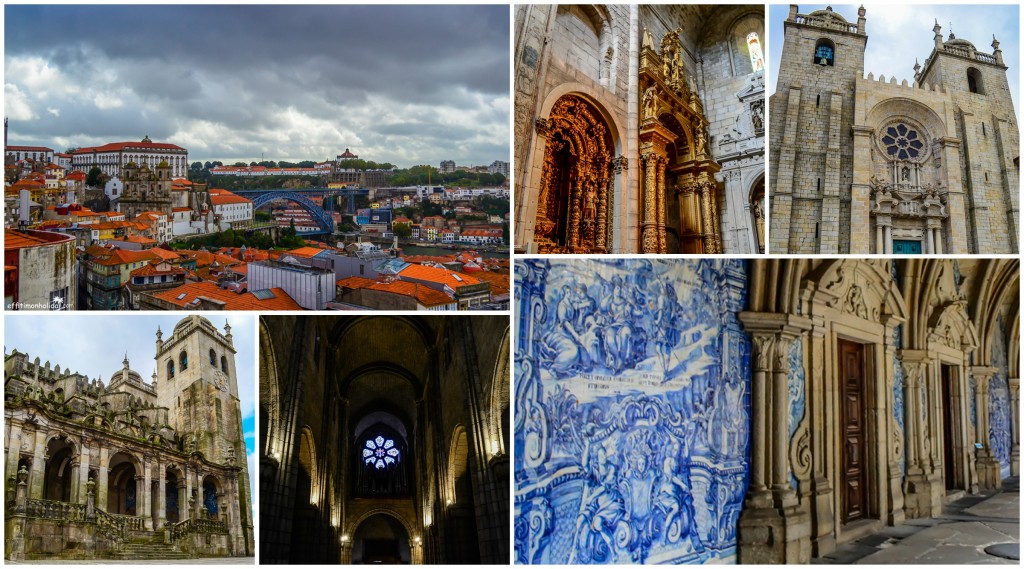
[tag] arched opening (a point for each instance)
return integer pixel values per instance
(304, 529)
(573, 207)
(170, 368)
(59, 475)
(211, 500)
(122, 486)
(757, 212)
(824, 53)
(382, 539)
(461, 507)
(974, 83)
(183, 360)
(213, 358)
(224, 364)
(171, 506)
(576, 40)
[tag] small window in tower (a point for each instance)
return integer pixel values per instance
(183, 360)
(213, 358)
(224, 364)
(170, 368)
(974, 83)
(824, 53)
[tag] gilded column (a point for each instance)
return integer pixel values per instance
(576, 184)
(650, 223)
(601, 215)
(662, 163)
(705, 214)
(716, 223)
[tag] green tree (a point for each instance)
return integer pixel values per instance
(94, 177)
(402, 230)
(196, 166)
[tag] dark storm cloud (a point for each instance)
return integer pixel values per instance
(247, 69)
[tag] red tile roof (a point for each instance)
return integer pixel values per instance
(232, 300)
(115, 146)
(436, 275)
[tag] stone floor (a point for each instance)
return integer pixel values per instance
(200, 561)
(960, 536)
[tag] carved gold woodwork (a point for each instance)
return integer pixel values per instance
(674, 153)
(576, 182)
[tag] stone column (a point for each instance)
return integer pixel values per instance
(187, 506)
(161, 498)
(83, 472)
(140, 500)
(989, 476)
(102, 489)
(773, 526)
(918, 501)
(1014, 383)
(38, 472)
(14, 450)
(820, 397)
(650, 223)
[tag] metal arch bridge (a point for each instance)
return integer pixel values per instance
(262, 197)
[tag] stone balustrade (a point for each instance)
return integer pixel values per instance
(53, 510)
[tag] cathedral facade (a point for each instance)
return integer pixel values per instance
(129, 469)
(863, 164)
(761, 411)
(639, 129)
(384, 440)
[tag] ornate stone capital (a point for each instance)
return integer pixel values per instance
(542, 126)
(620, 164)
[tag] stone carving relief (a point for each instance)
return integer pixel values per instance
(644, 369)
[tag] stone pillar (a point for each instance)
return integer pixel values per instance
(1014, 383)
(773, 526)
(141, 503)
(21, 493)
(187, 506)
(38, 472)
(820, 396)
(989, 476)
(102, 489)
(13, 451)
(918, 500)
(894, 485)
(161, 498)
(182, 502)
(650, 222)
(83, 472)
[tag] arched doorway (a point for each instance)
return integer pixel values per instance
(757, 212)
(122, 486)
(171, 506)
(575, 190)
(381, 538)
(211, 499)
(304, 530)
(59, 476)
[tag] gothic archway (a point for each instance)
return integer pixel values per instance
(575, 194)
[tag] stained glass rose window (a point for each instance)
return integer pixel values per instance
(902, 142)
(380, 452)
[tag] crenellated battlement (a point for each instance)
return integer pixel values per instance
(905, 84)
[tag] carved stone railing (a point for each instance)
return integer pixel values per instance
(184, 528)
(53, 510)
(129, 523)
(827, 23)
(110, 526)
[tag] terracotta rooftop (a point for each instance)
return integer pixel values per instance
(115, 146)
(232, 300)
(156, 269)
(14, 239)
(453, 279)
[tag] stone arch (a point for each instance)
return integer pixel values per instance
(894, 107)
(270, 398)
(740, 58)
(123, 493)
(854, 307)
(498, 417)
(458, 464)
(824, 52)
(581, 50)
(975, 84)
(575, 187)
(308, 467)
(61, 469)
(412, 530)
(212, 489)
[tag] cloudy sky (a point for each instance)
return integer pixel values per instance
(403, 84)
(898, 33)
(95, 345)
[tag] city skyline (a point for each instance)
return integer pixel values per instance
(402, 84)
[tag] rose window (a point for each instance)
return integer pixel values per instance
(380, 452)
(902, 142)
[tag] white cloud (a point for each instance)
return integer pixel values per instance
(53, 111)
(16, 105)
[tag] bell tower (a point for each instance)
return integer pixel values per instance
(811, 157)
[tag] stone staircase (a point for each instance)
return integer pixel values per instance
(153, 548)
